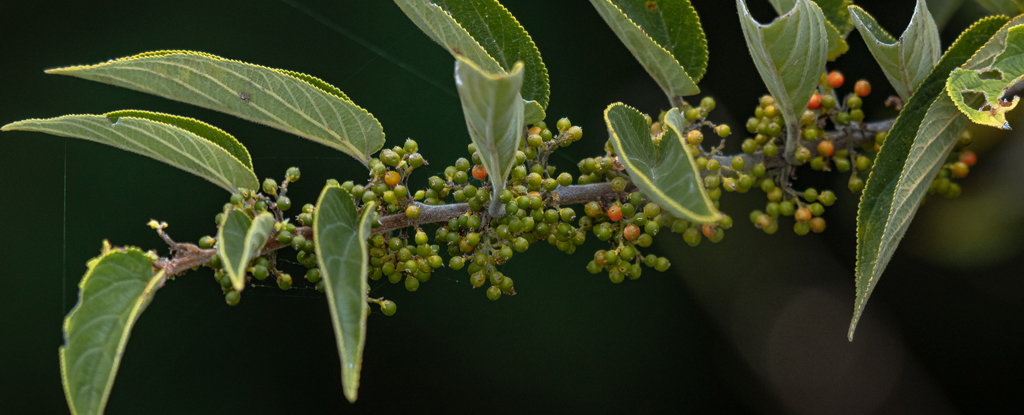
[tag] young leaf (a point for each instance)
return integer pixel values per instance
(1006, 7)
(185, 143)
(905, 62)
(992, 81)
(494, 115)
(790, 55)
(487, 34)
(837, 22)
(113, 293)
(905, 165)
(239, 240)
(296, 103)
(340, 234)
(665, 37)
(666, 173)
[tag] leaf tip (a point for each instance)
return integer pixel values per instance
(351, 393)
(9, 127)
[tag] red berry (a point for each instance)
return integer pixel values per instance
(631, 232)
(825, 148)
(392, 178)
(815, 102)
(969, 158)
(615, 213)
(862, 88)
(835, 79)
(479, 172)
(709, 230)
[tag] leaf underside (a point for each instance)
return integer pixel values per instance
(790, 55)
(906, 163)
(113, 293)
(295, 103)
(487, 34)
(239, 240)
(493, 108)
(665, 173)
(185, 143)
(992, 81)
(908, 61)
(837, 22)
(664, 38)
(340, 234)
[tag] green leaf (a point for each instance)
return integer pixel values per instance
(185, 143)
(943, 10)
(1000, 72)
(666, 173)
(894, 186)
(484, 32)
(239, 240)
(340, 233)
(665, 36)
(494, 116)
(1006, 7)
(296, 103)
(790, 55)
(908, 61)
(113, 293)
(837, 22)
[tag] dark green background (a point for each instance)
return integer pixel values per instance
(754, 324)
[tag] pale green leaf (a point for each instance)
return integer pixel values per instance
(666, 173)
(239, 240)
(666, 38)
(908, 61)
(493, 109)
(185, 143)
(906, 164)
(113, 293)
(340, 233)
(991, 77)
(484, 32)
(837, 22)
(295, 103)
(790, 55)
(943, 10)
(1005, 7)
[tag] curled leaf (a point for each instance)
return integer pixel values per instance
(991, 82)
(908, 61)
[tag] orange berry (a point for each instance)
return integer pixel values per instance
(615, 213)
(392, 178)
(817, 225)
(534, 130)
(825, 148)
(862, 88)
(631, 232)
(479, 172)
(815, 102)
(835, 79)
(969, 158)
(803, 214)
(709, 230)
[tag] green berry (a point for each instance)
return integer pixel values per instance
(827, 198)
(771, 150)
(388, 307)
(662, 264)
(284, 281)
(493, 292)
(292, 174)
(232, 298)
(260, 272)
(313, 275)
(411, 283)
(811, 194)
(563, 124)
(738, 163)
(270, 187)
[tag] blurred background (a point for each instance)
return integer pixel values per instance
(753, 324)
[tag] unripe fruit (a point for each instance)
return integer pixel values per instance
(563, 124)
(284, 281)
(959, 170)
(412, 211)
(723, 130)
(388, 307)
(817, 225)
(411, 283)
(771, 150)
(270, 187)
(694, 137)
(803, 214)
(801, 228)
(232, 298)
(738, 163)
(292, 174)
(493, 293)
(749, 146)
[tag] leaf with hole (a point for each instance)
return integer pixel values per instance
(115, 290)
(340, 234)
(665, 36)
(906, 163)
(239, 240)
(908, 61)
(790, 55)
(493, 109)
(484, 32)
(665, 172)
(991, 82)
(185, 143)
(289, 101)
